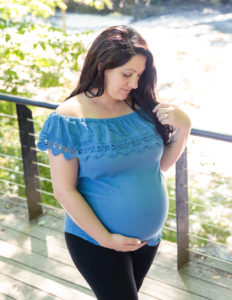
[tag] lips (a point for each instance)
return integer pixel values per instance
(126, 91)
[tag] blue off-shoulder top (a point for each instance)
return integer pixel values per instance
(119, 171)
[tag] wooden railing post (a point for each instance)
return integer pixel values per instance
(182, 210)
(26, 131)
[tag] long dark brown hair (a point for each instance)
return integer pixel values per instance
(114, 47)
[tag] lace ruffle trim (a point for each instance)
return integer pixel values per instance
(98, 150)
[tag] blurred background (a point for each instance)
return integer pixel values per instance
(42, 47)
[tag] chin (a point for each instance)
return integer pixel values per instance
(120, 98)
(123, 97)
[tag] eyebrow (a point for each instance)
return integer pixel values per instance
(133, 69)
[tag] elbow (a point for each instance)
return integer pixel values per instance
(59, 198)
(164, 168)
(61, 194)
(58, 195)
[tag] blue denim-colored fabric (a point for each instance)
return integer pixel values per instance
(119, 171)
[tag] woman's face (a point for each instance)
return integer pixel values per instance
(121, 80)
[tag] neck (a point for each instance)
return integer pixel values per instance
(107, 102)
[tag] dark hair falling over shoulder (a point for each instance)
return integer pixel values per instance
(114, 47)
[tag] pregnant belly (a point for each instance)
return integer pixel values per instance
(139, 213)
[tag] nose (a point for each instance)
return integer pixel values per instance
(134, 82)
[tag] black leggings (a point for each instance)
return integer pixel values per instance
(112, 275)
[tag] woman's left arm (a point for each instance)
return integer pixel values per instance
(170, 114)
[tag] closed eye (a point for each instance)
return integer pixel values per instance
(127, 76)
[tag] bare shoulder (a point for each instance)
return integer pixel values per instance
(70, 107)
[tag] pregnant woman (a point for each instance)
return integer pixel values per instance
(108, 144)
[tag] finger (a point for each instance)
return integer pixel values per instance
(162, 111)
(137, 247)
(156, 108)
(134, 242)
(143, 244)
(166, 121)
(164, 117)
(161, 105)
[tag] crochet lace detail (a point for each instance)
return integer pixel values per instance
(97, 151)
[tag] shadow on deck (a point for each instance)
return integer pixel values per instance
(35, 264)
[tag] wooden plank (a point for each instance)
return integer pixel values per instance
(216, 274)
(36, 238)
(164, 263)
(48, 284)
(187, 282)
(15, 254)
(53, 218)
(40, 246)
(41, 263)
(67, 273)
(18, 210)
(19, 223)
(212, 262)
(162, 258)
(33, 229)
(149, 290)
(57, 255)
(164, 291)
(27, 242)
(166, 247)
(14, 289)
(212, 275)
(60, 254)
(57, 238)
(53, 211)
(6, 297)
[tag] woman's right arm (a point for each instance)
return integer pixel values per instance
(64, 179)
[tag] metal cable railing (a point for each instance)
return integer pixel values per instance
(30, 166)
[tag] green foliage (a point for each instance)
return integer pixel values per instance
(168, 234)
(17, 10)
(48, 79)
(98, 4)
(36, 55)
(32, 56)
(12, 171)
(210, 209)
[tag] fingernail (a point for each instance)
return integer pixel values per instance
(138, 242)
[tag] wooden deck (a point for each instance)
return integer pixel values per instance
(35, 264)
